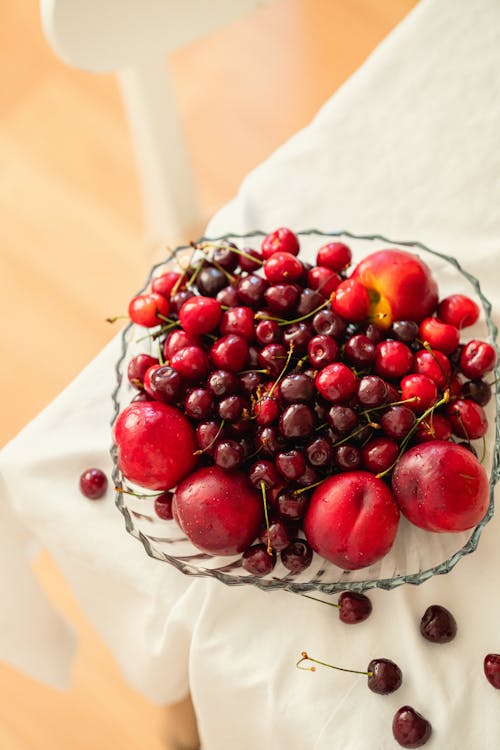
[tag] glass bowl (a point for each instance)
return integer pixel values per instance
(416, 556)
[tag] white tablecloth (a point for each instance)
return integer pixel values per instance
(409, 148)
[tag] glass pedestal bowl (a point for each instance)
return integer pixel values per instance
(416, 555)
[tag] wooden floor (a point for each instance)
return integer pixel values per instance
(73, 251)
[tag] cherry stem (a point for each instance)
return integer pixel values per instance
(137, 494)
(280, 376)
(409, 435)
(116, 317)
(266, 516)
(309, 487)
(284, 322)
(321, 601)
(483, 454)
(212, 442)
(306, 657)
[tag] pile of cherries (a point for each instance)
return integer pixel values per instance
(284, 375)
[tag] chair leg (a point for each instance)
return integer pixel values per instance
(171, 209)
(181, 732)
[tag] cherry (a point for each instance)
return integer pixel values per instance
(163, 506)
(228, 454)
(268, 332)
(458, 310)
(148, 309)
(477, 390)
(93, 483)
(372, 391)
(342, 419)
(299, 334)
(438, 624)
(347, 457)
(477, 358)
(178, 299)
(272, 358)
(166, 282)
(230, 352)
(281, 240)
(297, 556)
(434, 364)
(276, 535)
(379, 454)
(322, 350)
(334, 255)
(282, 267)
(405, 331)
(264, 471)
(336, 382)
(323, 280)
(250, 259)
(207, 434)
(224, 255)
(296, 421)
(178, 340)
(223, 383)
(200, 315)
(468, 419)
(351, 301)
(297, 388)
(211, 280)
(492, 669)
(257, 561)
(354, 607)
(239, 320)
(384, 676)
(359, 350)
(410, 728)
(251, 290)
(291, 464)
(138, 367)
(393, 359)
(328, 323)
(309, 300)
(435, 427)
(199, 403)
(441, 336)
(191, 363)
(281, 298)
(419, 391)
(319, 451)
(164, 383)
(232, 408)
(228, 297)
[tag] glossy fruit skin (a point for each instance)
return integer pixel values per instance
(334, 255)
(219, 512)
(155, 444)
(93, 483)
(351, 301)
(200, 315)
(491, 667)
(458, 310)
(438, 624)
(468, 419)
(385, 676)
(336, 382)
(145, 309)
(281, 240)
(410, 728)
(441, 486)
(477, 358)
(352, 519)
(401, 284)
(441, 336)
(354, 607)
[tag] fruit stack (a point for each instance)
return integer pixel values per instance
(280, 411)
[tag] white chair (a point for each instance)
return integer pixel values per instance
(132, 38)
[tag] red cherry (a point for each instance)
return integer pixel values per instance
(148, 309)
(492, 669)
(283, 267)
(438, 335)
(281, 240)
(230, 353)
(410, 728)
(191, 363)
(164, 283)
(435, 427)
(178, 340)
(334, 255)
(323, 279)
(458, 310)
(93, 484)
(163, 506)
(434, 364)
(468, 419)
(336, 382)
(238, 320)
(393, 359)
(354, 607)
(477, 358)
(200, 315)
(379, 454)
(419, 391)
(351, 301)
(137, 368)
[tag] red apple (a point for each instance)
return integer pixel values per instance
(220, 513)
(441, 486)
(156, 444)
(352, 519)
(400, 285)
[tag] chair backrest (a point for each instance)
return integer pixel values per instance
(131, 38)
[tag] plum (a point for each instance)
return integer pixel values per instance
(441, 486)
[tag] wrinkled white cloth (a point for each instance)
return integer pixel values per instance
(409, 148)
